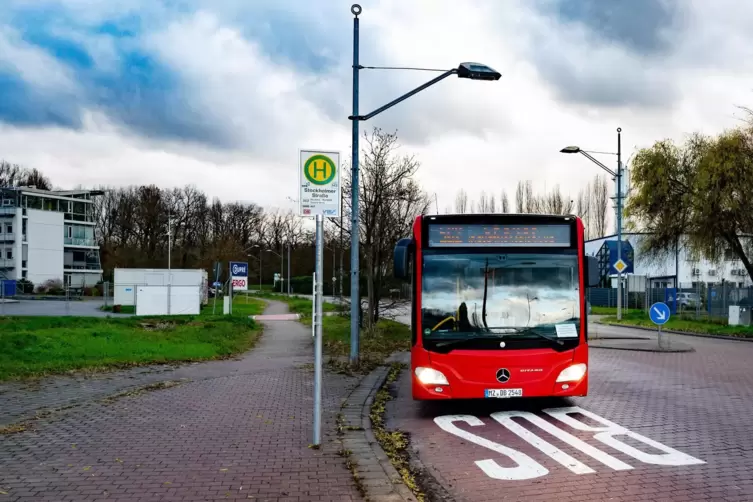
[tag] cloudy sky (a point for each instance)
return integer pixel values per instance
(223, 93)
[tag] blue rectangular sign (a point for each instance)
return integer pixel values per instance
(238, 269)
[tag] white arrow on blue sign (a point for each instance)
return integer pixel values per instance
(659, 313)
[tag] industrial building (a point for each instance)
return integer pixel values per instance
(678, 267)
(49, 235)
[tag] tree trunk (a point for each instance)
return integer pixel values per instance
(737, 247)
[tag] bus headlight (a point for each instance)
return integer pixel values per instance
(572, 373)
(430, 376)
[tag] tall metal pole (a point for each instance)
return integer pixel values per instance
(169, 245)
(342, 250)
(282, 267)
(288, 267)
(318, 329)
(619, 221)
(169, 262)
(355, 297)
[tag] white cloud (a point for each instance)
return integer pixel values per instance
(474, 135)
(33, 65)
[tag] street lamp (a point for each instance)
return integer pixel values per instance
(618, 176)
(471, 71)
(256, 246)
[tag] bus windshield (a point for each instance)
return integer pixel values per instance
(467, 294)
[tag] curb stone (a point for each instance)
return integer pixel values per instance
(685, 333)
(379, 478)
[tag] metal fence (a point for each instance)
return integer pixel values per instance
(702, 300)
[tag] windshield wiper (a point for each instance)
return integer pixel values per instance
(533, 331)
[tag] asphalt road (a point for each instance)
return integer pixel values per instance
(655, 426)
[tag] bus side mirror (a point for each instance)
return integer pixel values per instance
(592, 272)
(401, 259)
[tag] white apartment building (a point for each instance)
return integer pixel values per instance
(47, 235)
(661, 273)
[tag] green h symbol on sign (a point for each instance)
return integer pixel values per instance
(319, 169)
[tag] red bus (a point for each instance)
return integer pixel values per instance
(498, 306)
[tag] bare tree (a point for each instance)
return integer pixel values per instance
(520, 197)
(555, 202)
(483, 203)
(531, 201)
(461, 202)
(600, 205)
(492, 204)
(583, 210)
(390, 199)
(504, 205)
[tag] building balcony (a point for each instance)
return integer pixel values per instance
(78, 218)
(7, 211)
(85, 267)
(7, 237)
(7, 263)
(80, 241)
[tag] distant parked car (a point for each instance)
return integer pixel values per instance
(687, 299)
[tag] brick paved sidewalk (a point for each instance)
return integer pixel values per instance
(238, 430)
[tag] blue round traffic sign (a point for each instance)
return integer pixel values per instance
(659, 313)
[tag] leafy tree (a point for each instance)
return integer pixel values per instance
(697, 195)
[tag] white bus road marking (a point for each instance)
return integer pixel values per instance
(606, 435)
(528, 468)
(505, 418)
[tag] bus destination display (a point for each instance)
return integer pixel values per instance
(459, 235)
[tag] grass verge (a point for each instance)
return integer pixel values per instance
(377, 343)
(36, 346)
(394, 443)
(298, 304)
(611, 310)
(241, 306)
(679, 323)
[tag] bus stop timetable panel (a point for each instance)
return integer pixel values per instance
(476, 235)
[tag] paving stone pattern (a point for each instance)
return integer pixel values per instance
(700, 403)
(238, 430)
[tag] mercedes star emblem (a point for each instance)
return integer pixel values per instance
(503, 375)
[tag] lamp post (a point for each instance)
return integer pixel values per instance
(472, 71)
(251, 256)
(615, 175)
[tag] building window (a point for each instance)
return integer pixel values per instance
(24, 273)
(9, 228)
(9, 253)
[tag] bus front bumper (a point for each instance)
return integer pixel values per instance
(494, 390)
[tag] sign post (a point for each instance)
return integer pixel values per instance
(659, 314)
(319, 197)
(217, 283)
(238, 278)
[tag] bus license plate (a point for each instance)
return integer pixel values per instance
(503, 393)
